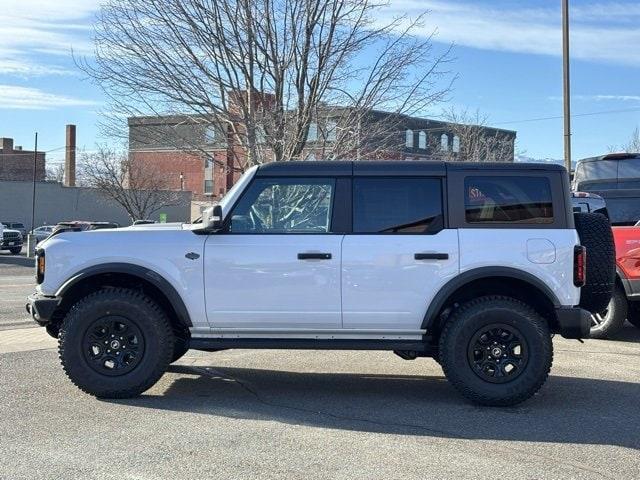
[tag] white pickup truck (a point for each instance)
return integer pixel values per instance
(475, 265)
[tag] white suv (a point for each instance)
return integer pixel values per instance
(476, 265)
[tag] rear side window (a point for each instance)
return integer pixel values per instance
(508, 200)
(397, 205)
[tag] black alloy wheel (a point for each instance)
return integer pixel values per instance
(113, 345)
(498, 353)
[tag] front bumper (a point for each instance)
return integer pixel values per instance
(7, 244)
(41, 308)
(574, 322)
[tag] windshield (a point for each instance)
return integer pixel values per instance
(227, 201)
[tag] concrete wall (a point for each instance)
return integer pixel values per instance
(55, 203)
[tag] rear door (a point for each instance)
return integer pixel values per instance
(399, 254)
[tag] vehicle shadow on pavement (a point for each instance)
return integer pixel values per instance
(629, 333)
(17, 260)
(568, 410)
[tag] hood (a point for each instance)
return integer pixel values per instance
(157, 226)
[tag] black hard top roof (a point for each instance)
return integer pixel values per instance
(345, 168)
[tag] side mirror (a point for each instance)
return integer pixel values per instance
(212, 218)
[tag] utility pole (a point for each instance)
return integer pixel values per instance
(31, 245)
(566, 94)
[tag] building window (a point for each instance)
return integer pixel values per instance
(208, 187)
(408, 141)
(331, 131)
(444, 142)
(312, 134)
(261, 135)
(456, 144)
(208, 162)
(422, 140)
(210, 134)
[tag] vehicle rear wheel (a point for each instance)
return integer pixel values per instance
(15, 251)
(610, 320)
(115, 343)
(496, 350)
(633, 314)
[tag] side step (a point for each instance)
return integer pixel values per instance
(210, 344)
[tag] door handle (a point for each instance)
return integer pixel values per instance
(314, 256)
(431, 256)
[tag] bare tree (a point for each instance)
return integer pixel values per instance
(265, 72)
(140, 191)
(473, 141)
(634, 142)
(55, 173)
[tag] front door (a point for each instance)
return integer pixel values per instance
(277, 266)
(399, 254)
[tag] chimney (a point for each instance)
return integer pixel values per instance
(7, 145)
(70, 157)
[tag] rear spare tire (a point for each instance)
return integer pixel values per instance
(595, 234)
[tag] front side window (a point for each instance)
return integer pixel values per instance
(284, 205)
(397, 205)
(508, 200)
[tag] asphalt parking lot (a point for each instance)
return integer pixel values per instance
(314, 414)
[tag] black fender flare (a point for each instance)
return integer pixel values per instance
(143, 273)
(469, 276)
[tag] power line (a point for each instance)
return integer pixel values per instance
(559, 117)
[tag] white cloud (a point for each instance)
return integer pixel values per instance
(27, 98)
(599, 32)
(33, 29)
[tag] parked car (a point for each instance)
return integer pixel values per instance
(613, 171)
(42, 232)
(625, 301)
(476, 265)
(11, 240)
(16, 226)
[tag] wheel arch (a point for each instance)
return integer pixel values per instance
(127, 275)
(489, 281)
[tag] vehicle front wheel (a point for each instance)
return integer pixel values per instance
(608, 322)
(115, 343)
(15, 251)
(496, 350)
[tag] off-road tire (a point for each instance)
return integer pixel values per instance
(147, 317)
(180, 347)
(595, 234)
(612, 317)
(633, 314)
(462, 327)
(15, 251)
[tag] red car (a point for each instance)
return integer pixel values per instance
(621, 209)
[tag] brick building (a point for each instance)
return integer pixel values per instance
(198, 157)
(16, 164)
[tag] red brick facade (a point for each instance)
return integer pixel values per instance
(17, 164)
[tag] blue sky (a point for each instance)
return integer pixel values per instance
(507, 56)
